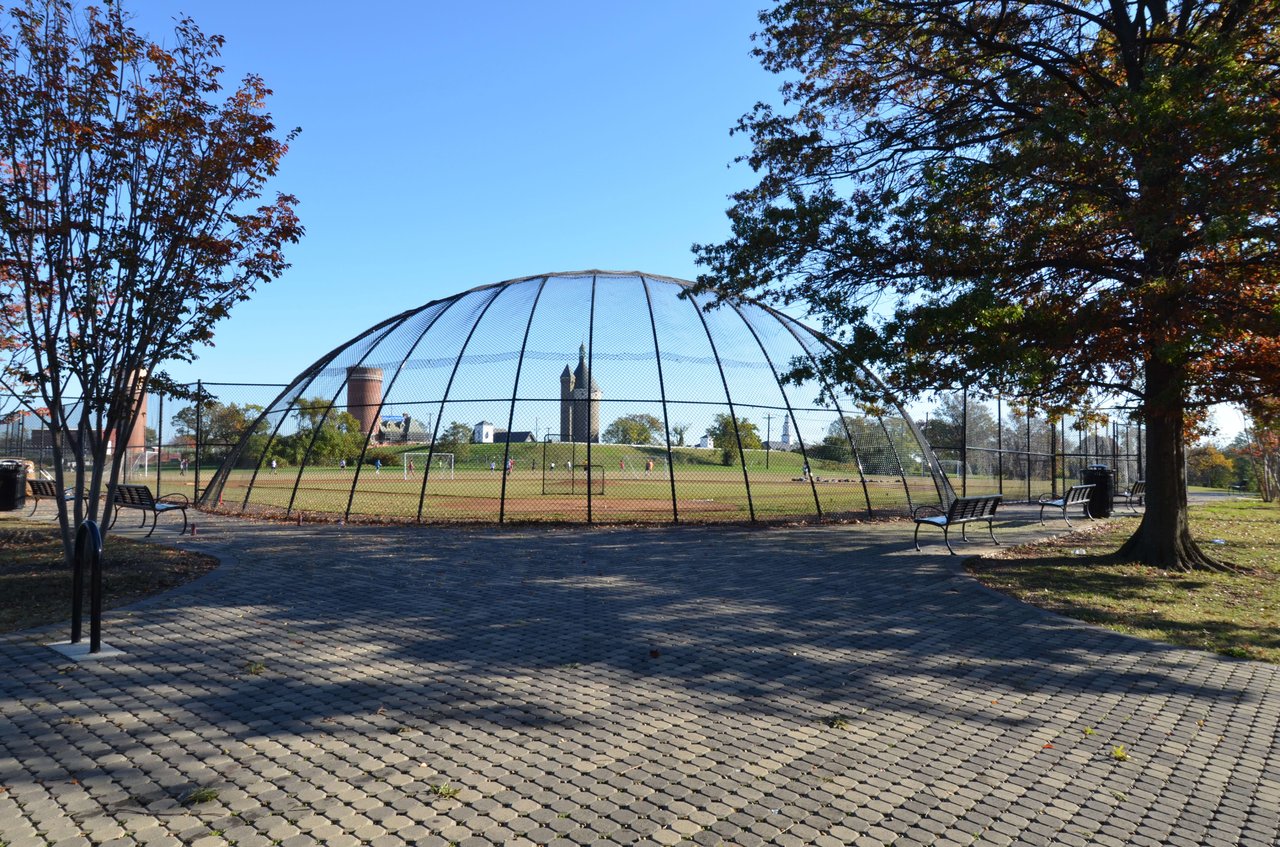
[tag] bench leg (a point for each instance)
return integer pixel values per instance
(992, 530)
(947, 538)
(115, 513)
(184, 522)
(34, 506)
(155, 519)
(917, 537)
(1042, 505)
(1064, 516)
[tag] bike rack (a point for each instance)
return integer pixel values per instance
(88, 551)
(88, 554)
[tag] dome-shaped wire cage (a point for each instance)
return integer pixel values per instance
(598, 397)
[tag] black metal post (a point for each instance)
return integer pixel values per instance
(88, 550)
(199, 436)
(964, 443)
(1115, 446)
(1028, 449)
(1000, 443)
(591, 363)
(1140, 456)
(159, 443)
(1063, 426)
(768, 436)
(94, 546)
(77, 590)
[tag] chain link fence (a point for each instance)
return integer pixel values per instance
(178, 443)
(993, 445)
(982, 445)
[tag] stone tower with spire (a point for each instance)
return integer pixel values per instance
(579, 402)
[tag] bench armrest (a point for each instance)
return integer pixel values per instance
(176, 498)
(928, 507)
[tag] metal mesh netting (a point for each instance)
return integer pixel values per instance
(579, 397)
(994, 444)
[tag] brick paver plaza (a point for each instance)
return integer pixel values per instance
(827, 686)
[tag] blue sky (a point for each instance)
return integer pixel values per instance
(449, 145)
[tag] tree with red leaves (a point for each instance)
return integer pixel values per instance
(131, 218)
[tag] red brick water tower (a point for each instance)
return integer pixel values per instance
(364, 396)
(138, 436)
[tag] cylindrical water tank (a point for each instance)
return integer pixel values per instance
(364, 396)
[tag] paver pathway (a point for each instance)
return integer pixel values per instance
(825, 686)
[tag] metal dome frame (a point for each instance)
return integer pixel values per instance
(744, 328)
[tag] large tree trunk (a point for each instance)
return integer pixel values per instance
(1163, 538)
(1267, 476)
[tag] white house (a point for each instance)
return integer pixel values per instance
(482, 433)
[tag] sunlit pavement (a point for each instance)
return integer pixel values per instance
(801, 685)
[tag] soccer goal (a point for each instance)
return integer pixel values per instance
(139, 462)
(416, 463)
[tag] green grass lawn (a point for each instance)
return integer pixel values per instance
(637, 486)
(631, 493)
(1234, 614)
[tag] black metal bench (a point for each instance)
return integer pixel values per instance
(47, 489)
(139, 497)
(1077, 495)
(962, 511)
(1137, 491)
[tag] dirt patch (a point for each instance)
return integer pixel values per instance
(36, 584)
(540, 509)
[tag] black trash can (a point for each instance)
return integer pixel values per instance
(13, 486)
(1103, 480)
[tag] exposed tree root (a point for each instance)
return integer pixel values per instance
(1183, 554)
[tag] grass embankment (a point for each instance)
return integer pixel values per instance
(1234, 614)
(35, 585)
